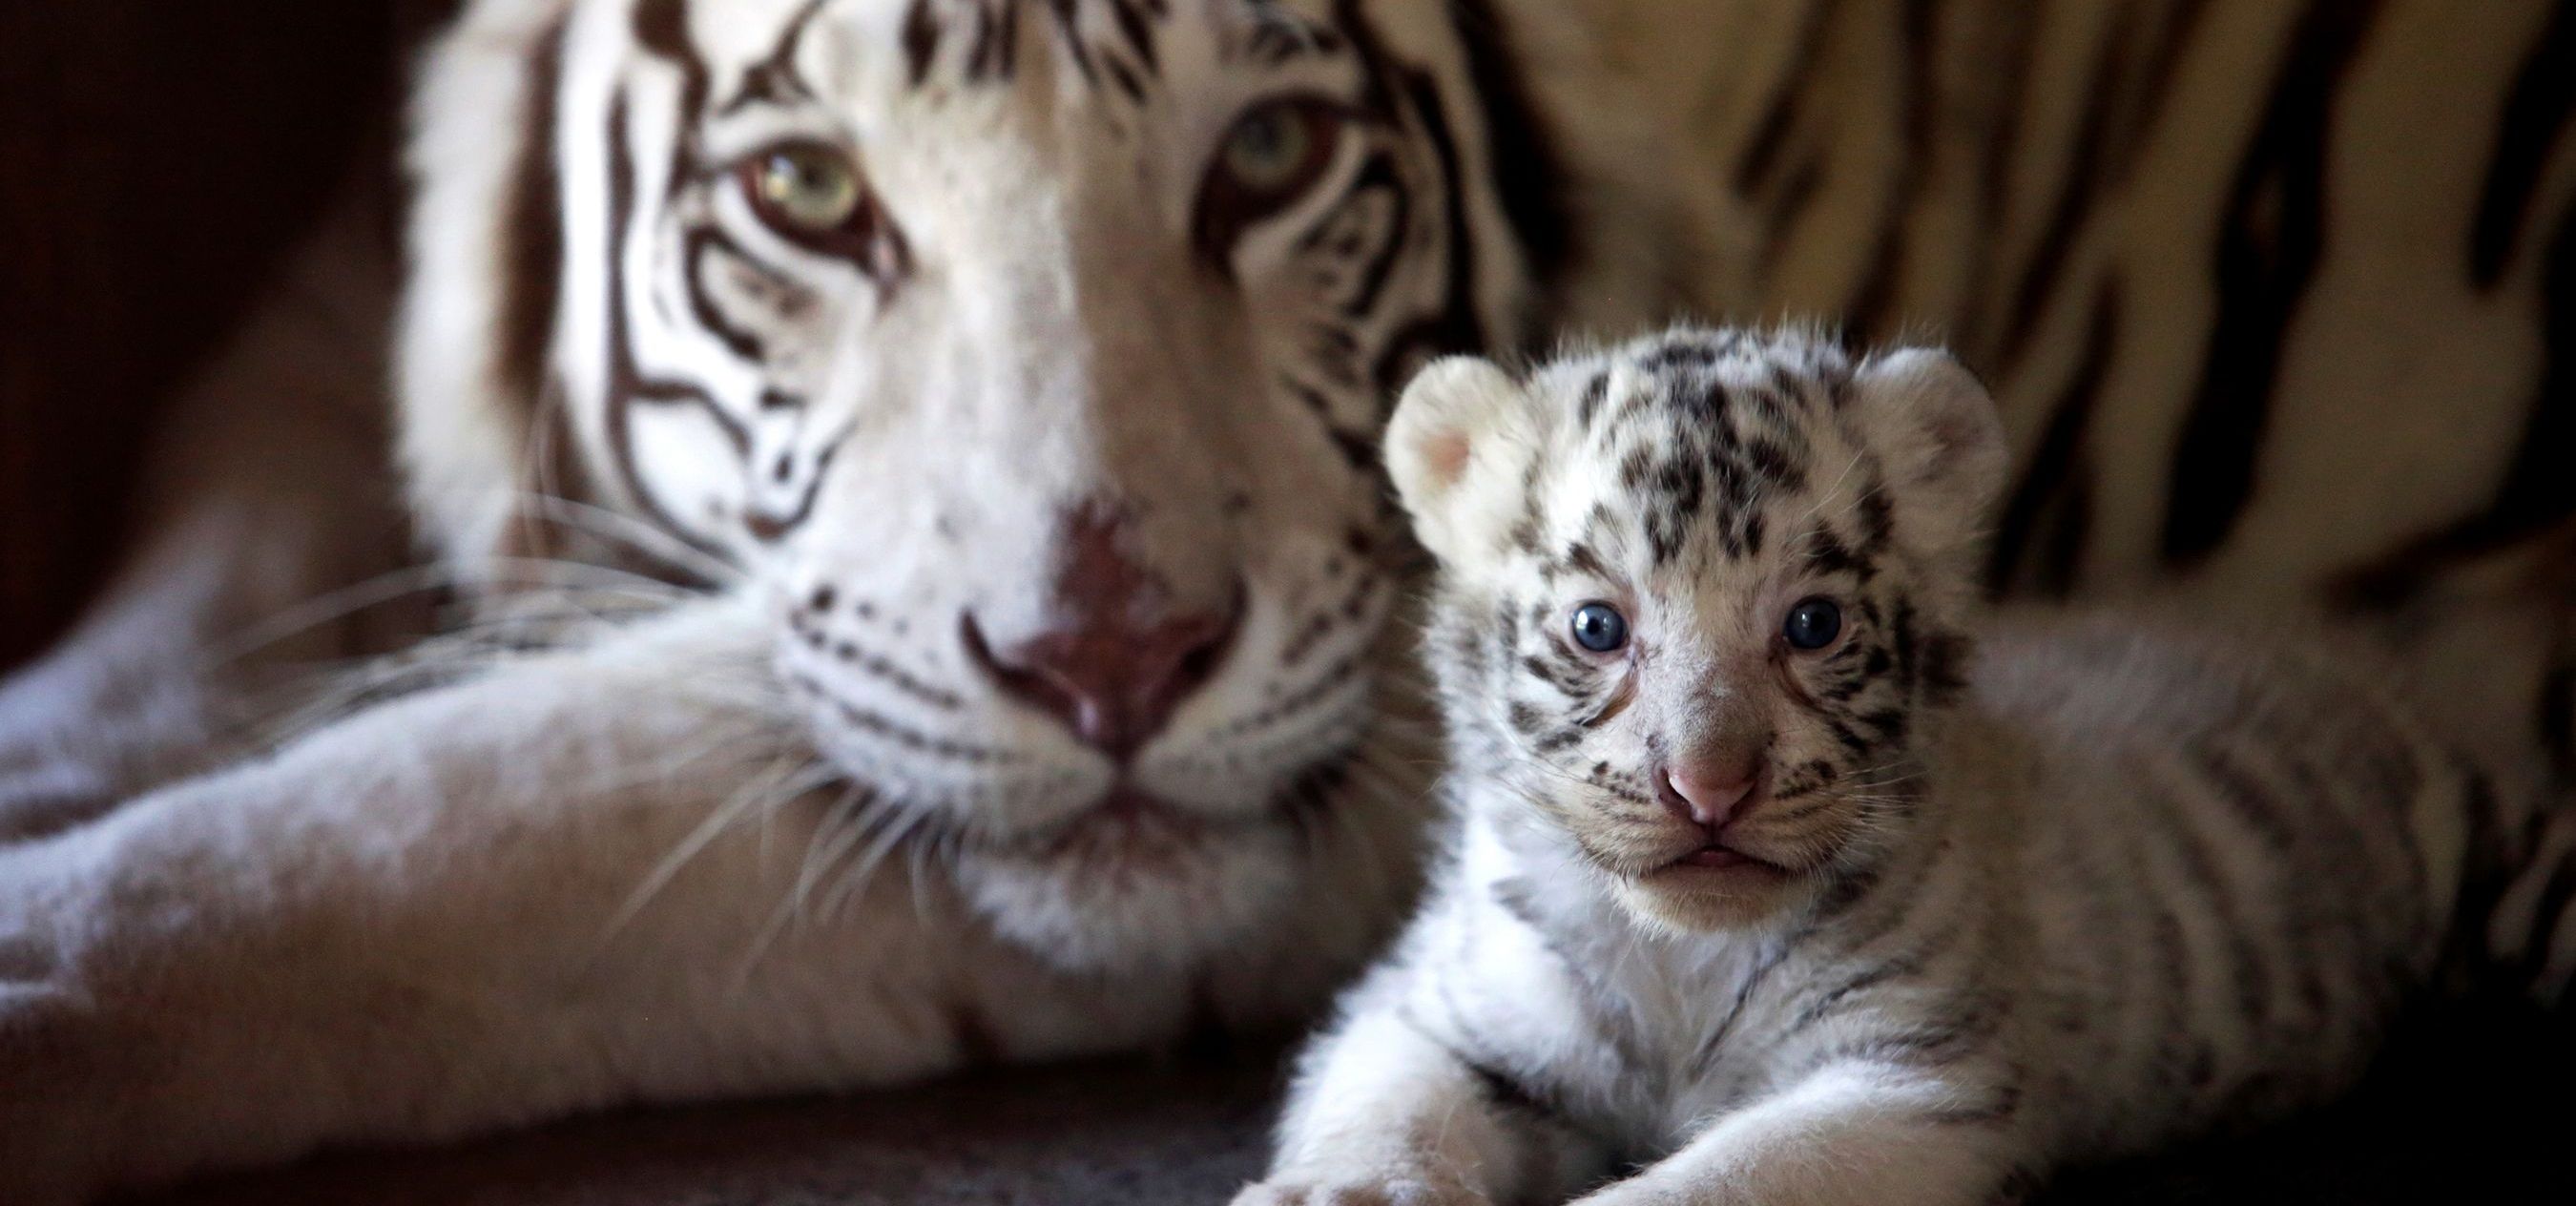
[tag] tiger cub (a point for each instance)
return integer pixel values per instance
(1771, 886)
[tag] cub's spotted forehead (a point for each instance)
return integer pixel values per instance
(1694, 437)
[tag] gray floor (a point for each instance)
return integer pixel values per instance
(2467, 1108)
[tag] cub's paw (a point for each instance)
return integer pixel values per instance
(1358, 1191)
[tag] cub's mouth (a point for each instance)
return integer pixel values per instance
(1716, 866)
(1765, 843)
(1718, 856)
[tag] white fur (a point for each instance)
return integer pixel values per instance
(2141, 881)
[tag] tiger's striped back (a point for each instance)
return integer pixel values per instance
(2265, 290)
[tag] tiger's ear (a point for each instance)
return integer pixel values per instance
(1459, 448)
(1935, 428)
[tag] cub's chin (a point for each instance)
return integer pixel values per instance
(1127, 895)
(1699, 897)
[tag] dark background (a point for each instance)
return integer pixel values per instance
(156, 158)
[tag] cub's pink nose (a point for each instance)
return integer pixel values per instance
(1707, 794)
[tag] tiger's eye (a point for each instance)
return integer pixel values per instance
(1600, 628)
(1813, 624)
(1274, 155)
(1269, 147)
(805, 185)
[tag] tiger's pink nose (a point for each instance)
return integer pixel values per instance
(1118, 661)
(1114, 687)
(1707, 794)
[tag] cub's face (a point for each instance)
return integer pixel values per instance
(1696, 595)
(1029, 357)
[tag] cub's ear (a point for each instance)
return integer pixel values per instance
(1937, 431)
(1459, 448)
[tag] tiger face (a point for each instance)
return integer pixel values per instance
(1029, 358)
(1697, 594)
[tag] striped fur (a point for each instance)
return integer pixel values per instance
(2266, 292)
(596, 319)
(2110, 881)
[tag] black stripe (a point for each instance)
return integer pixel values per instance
(2075, 196)
(745, 345)
(920, 41)
(2269, 247)
(1865, 314)
(2556, 716)
(1974, 338)
(532, 257)
(1932, 1045)
(2101, 156)
(2538, 493)
(2487, 865)
(2247, 797)
(996, 53)
(1502, 1090)
(2059, 478)
(1126, 79)
(1068, 28)
(1605, 1008)
(1829, 1002)
(1714, 1046)
(2536, 113)
(1762, 157)
(1379, 173)
(1457, 328)
(775, 79)
(1140, 36)
(661, 27)
(626, 383)
(2217, 890)
(888, 729)
(2155, 81)
(2550, 915)
(1527, 176)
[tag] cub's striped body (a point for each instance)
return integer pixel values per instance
(2103, 882)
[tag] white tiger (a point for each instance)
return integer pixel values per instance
(1762, 883)
(987, 391)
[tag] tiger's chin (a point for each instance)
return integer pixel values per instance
(1135, 886)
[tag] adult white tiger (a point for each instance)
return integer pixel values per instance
(1007, 371)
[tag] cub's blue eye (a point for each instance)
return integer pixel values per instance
(1600, 628)
(1813, 624)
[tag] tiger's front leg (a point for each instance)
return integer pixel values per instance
(1851, 1134)
(572, 883)
(264, 493)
